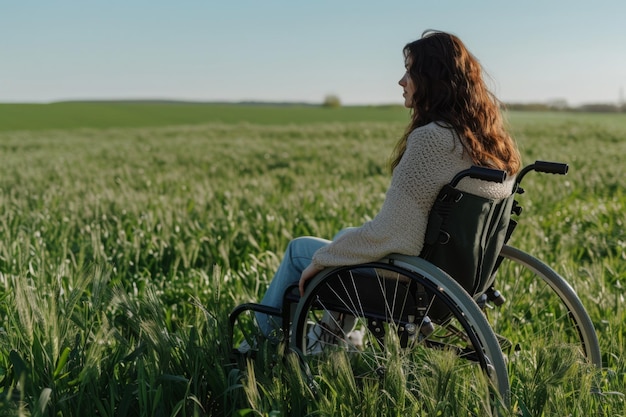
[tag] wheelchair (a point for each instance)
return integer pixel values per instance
(449, 300)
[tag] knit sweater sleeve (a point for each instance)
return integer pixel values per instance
(431, 159)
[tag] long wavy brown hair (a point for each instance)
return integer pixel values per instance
(449, 89)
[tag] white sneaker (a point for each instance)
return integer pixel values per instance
(355, 338)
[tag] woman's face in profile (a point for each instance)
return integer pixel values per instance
(408, 89)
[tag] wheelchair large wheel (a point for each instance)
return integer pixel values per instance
(541, 309)
(401, 309)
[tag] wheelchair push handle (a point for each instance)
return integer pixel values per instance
(480, 173)
(551, 167)
(544, 167)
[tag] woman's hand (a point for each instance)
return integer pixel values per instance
(308, 273)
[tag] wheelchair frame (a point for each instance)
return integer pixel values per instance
(474, 337)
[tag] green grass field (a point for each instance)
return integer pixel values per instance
(128, 232)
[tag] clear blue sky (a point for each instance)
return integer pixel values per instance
(297, 50)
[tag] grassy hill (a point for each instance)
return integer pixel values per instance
(105, 114)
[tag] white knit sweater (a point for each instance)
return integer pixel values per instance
(433, 156)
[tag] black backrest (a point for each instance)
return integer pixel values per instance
(465, 234)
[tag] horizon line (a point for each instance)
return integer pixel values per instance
(562, 103)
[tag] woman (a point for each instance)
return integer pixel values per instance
(455, 123)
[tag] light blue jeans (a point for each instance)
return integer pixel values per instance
(297, 257)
